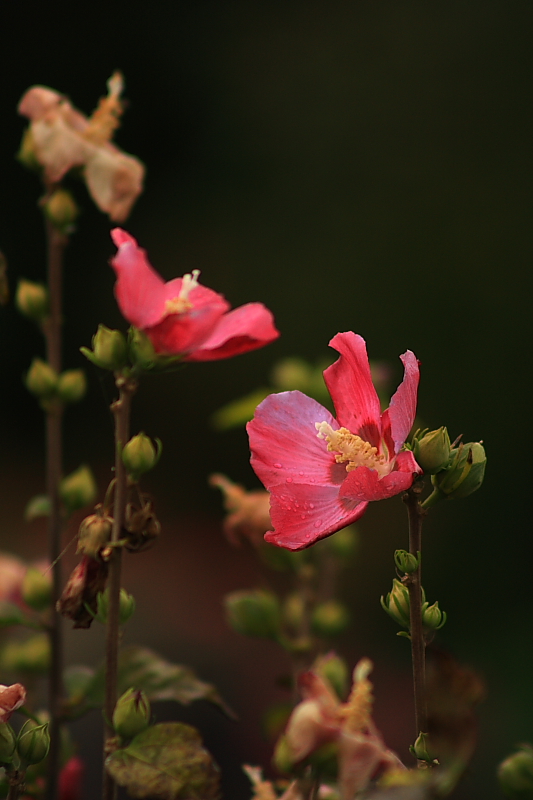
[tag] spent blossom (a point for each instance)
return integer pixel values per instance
(322, 472)
(182, 317)
(11, 698)
(61, 137)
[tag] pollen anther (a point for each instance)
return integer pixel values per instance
(181, 303)
(350, 449)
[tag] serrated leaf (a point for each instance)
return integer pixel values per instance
(38, 506)
(143, 669)
(166, 762)
(11, 614)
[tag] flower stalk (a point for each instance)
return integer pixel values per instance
(121, 411)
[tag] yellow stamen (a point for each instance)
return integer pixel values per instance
(356, 712)
(351, 449)
(181, 303)
(106, 118)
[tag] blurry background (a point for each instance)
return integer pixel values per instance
(355, 166)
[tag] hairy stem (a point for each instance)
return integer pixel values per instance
(121, 411)
(52, 329)
(418, 644)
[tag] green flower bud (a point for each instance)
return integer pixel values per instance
(515, 774)
(94, 533)
(31, 655)
(142, 351)
(41, 379)
(33, 742)
(405, 562)
(78, 489)
(255, 613)
(61, 210)
(126, 606)
(432, 617)
(26, 155)
(293, 610)
(36, 589)
(397, 604)
(333, 669)
(71, 385)
(283, 759)
(422, 748)
(465, 473)
(132, 714)
(110, 349)
(139, 455)
(330, 618)
(8, 743)
(432, 450)
(31, 300)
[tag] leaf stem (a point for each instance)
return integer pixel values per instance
(414, 582)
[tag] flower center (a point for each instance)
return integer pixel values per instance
(181, 303)
(106, 119)
(351, 450)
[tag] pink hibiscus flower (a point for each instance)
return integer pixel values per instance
(181, 317)
(321, 472)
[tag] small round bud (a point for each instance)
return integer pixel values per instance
(330, 618)
(515, 774)
(126, 606)
(94, 533)
(132, 714)
(293, 610)
(110, 350)
(78, 489)
(27, 155)
(255, 613)
(405, 562)
(432, 450)
(8, 743)
(465, 473)
(139, 455)
(61, 210)
(422, 749)
(283, 758)
(31, 300)
(31, 655)
(432, 617)
(142, 351)
(334, 669)
(71, 385)
(33, 742)
(36, 589)
(41, 379)
(397, 604)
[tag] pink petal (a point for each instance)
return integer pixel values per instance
(114, 181)
(350, 385)
(241, 330)
(402, 409)
(284, 442)
(359, 757)
(363, 483)
(303, 514)
(139, 290)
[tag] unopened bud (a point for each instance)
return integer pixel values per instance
(333, 669)
(405, 562)
(432, 617)
(8, 742)
(71, 385)
(94, 533)
(139, 455)
(110, 350)
(132, 714)
(294, 610)
(27, 155)
(422, 749)
(41, 379)
(515, 774)
(78, 489)
(141, 349)
(33, 742)
(432, 450)
(465, 473)
(31, 300)
(397, 604)
(126, 606)
(31, 655)
(61, 210)
(283, 758)
(36, 589)
(330, 618)
(255, 613)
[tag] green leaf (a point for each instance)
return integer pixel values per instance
(166, 762)
(11, 614)
(238, 412)
(141, 668)
(38, 506)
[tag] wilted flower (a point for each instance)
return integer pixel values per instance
(60, 138)
(81, 590)
(321, 473)
(11, 698)
(12, 572)
(182, 317)
(248, 512)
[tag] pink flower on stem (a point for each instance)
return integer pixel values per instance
(181, 317)
(322, 472)
(11, 698)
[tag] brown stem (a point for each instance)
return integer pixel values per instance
(54, 467)
(121, 411)
(414, 583)
(15, 779)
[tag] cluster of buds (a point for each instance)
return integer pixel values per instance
(51, 388)
(398, 607)
(111, 350)
(457, 470)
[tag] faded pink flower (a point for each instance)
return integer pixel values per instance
(11, 698)
(182, 317)
(63, 138)
(248, 515)
(321, 472)
(12, 572)
(70, 779)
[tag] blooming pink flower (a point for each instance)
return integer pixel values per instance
(63, 138)
(70, 779)
(182, 317)
(321, 472)
(11, 698)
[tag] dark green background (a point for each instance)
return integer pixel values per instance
(356, 166)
